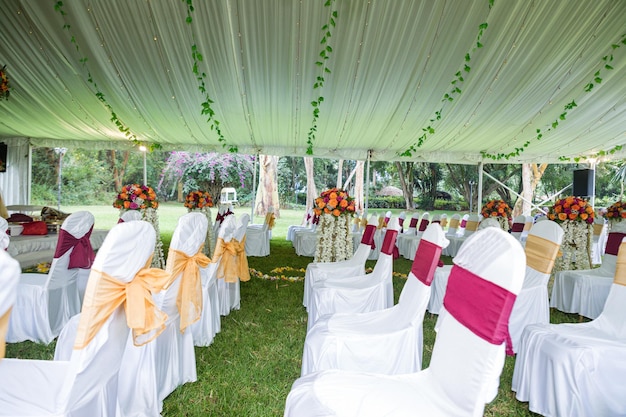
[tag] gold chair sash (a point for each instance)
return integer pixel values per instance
(540, 253)
(270, 219)
(527, 226)
(597, 229)
(363, 222)
(233, 261)
(142, 315)
(189, 298)
(443, 222)
(381, 222)
(454, 223)
(620, 267)
(356, 221)
(471, 226)
(4, 327)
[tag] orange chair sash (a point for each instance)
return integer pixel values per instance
(620, 267)
(471, 226)
(189, 298)
(540, 253)
(108, 293)
(454, 223)
(4, 327)
(233, 260)
(270, 219)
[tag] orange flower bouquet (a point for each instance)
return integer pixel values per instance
(496, 208)
(334, 201)
(136, 197)
(5, 92)
(198, 200)
(571, 208)
(617, 211)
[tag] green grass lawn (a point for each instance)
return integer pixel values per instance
(249, 368)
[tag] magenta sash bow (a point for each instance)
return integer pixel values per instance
(368, 236)
(389, 242)
(82, 256)
(423, 225)
(480, 305)
(463, 223)
(613, 242)
(413, 223)
(517, 227)
(426, 261)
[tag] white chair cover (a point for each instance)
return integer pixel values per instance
(318, 271)
(9, 277)
(577, 370)
(598, 242)
(86, 383)
(454, 225)
(306, 224)
(4, 236)
(518, 227)
(532, 305)
(585, 291)
(407, 244)
(229, 293)
(360, 293)
(258, 237)
(305, 241)
(405, 237)
(530, 220)
(466, 231)
(401, 219)
(46, 302)
(464, 369)
(387, 341)
(130, 216)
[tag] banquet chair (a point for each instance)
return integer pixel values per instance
(401, 219)
(577, 370)
(436, 218)
(453, 228)
(9, 277)
(424, 222)
(387, 341)
(532, 305)
(45, 302)
(584, 291)
(415, 218)
(233, 264)
(410, 243)
(357, 293)
(518, 226)
(404, 237)
(130, 216)
(318, 271)
(306, 224)
(444, 220)
(305, 240)
(85, 384)
(258, 236)
(598, 243)
(471, 225)
(467, 358)
(530, 221)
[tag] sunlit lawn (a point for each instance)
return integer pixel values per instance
(249, 368)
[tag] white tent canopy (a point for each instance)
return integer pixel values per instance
(392, 62)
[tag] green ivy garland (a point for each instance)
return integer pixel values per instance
(99, 94)
(452, 94)
(319, 80)
(207, 109)
(597, 79)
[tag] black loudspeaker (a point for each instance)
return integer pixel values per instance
(583, 183)
(3, 157)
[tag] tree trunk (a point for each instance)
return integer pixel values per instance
(311, 189)
(267, 194)
(531, 175)
(118, 168)
(405, 172)
(359, 202)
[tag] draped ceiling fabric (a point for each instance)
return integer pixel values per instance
(392, 62)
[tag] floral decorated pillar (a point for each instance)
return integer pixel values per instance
(144, 199)
(335, 209)
(201, 201)
(575, 216)
(499, 210)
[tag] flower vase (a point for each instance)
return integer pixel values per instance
(576, 246)
(208, 246)
(334, 240)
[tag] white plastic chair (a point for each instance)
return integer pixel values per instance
(318, 271)
(86, 383)
(577, 370)
(585, 291)
(464, 369)
(9, 278)
(258, 236)
(360, 293)
(45, 302)
(532, 305)
(387, 341)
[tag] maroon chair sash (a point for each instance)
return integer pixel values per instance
(389, 242)
(517, 227)
(480, 305)
(423, 225)
(82, 256)
(613, 242)
(426, 261)
(401, 223)
(368, 236)
(413, 223)
(316, 219)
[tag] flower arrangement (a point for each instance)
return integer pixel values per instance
(571, 208)
(136, 197)
(198, 200)
(496, 208)
(4, 84)
(617, 211)
(334, 201)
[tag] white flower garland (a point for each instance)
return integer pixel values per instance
(334, 240)
(575, 247)
(208, 242)
(504, 223)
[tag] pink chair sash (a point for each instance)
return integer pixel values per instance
(426, 261)
(517, 227)
(613, 242)
(413, 223)
(82, 256)
(368, 236)
(423, 225)
(480, 305)
(389, 243)
(463, 223)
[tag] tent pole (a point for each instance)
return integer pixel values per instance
(479, 204)
(254, 187)
(367, 183)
